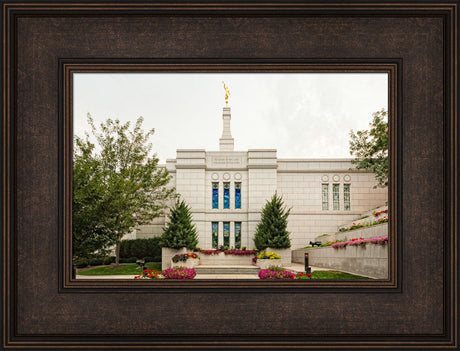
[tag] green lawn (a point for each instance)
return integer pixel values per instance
(334, 275)
(125, 269)
(131, 269)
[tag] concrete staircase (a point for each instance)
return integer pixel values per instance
(226, 269)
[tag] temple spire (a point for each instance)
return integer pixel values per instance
(226, 142)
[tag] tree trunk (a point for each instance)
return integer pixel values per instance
(117, 253)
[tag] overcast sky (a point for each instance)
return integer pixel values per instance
(307, 115)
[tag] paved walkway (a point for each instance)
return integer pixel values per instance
(294, 267)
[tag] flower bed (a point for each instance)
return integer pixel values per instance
(228, 252)
(266, 259)
(179, 273)
(268, 255)
(361, 242)
(378, 213)
(278, 274)
(149, 274)
(184, 257)
(361, 225)
(302, 275)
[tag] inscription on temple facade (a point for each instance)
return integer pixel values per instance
(227, 160)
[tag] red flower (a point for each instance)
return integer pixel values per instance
(309, 275)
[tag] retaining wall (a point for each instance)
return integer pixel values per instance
(227, 260)
(366, 233)
(167, 254)
(370, 260)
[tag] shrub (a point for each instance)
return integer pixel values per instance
(128, 260)
(141, 248)
(108, 260)
(271, 275)
(96, 261)
(81, 262)
(179, 273)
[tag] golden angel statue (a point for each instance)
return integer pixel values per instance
(227, 93)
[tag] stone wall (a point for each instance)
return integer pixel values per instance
(223, 259)
(286, 256)
(371, 260)
(366, 233)
(167, 254)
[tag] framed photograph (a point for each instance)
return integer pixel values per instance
(294, 80)
(227, 184)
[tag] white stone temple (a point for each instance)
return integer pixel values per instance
(227, 189)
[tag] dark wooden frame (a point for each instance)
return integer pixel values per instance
(415, 42)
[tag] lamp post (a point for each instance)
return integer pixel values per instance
(141, 264)
(307, 267)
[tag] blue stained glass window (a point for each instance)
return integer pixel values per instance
(237, 235)
(237, 195)
(226, 195)
(227, 234)
(215, 234)
(215, 195)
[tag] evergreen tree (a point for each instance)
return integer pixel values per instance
(180, 231)
(271, 230)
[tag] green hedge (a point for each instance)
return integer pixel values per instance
(83, 262)
(141, 248)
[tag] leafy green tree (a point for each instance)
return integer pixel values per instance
(116, 185)
(272, 231)
(370, 148)
(89, 233)
(180, 231)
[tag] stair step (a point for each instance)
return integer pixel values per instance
(202, 269)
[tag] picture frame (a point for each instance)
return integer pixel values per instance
(44, 42)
